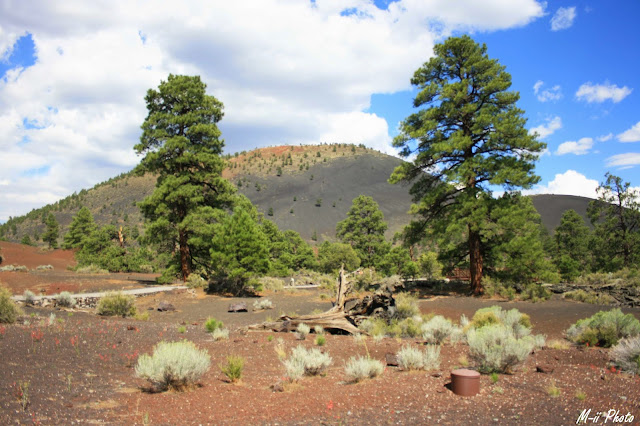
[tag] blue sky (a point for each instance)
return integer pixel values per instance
(73, 79)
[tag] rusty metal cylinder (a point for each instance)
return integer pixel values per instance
(465, 382)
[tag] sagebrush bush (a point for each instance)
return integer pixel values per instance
(494, 348)
(406, 305)
(29, 297)
(262, 304)
(626, 355)
(117, 304)
(516, 321)
(44, 267)
(312, 361)
(604, 328)
(360, 368)
(437, 329)
(220, 334)
(65, 299)
(174, 365)
(233, 368)
(9, 311)
(412, 358)
(302, 331)
(212, 324)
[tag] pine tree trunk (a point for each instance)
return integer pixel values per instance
(185, 264)
(475, 262)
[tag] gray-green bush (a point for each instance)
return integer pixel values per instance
(626, 355)
(437, 329)
(361, 368)
(604, 328)
(174, 365)
(412, 358)
(309, 362)
(65, 299)
(495, 348)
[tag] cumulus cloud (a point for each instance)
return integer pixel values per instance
(605, 138)
(570, 182)
(286, 71)
(624, 161)
(563, 18)
(631, 135)
(599, 93)
(545, 130)
(580, 147)
(552, 94)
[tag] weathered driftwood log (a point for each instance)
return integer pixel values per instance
(339, 318)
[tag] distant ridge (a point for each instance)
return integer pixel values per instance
(552, 206)
(323, 180)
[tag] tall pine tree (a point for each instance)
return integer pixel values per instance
(182, 146)
(364, 229)
(52, 231)
(82, 225)
(469, 137)
(616, 218)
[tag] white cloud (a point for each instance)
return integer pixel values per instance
(286, 71)
(567, 183)
(580, 147)
(544, 131)
(563, 18)
(602, 92)
(605, 138)
(625, 161)
(631, 135)
(552, 94)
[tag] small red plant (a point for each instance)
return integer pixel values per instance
(3, 330)
(130, 358)
(74, 343)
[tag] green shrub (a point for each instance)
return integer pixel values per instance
(174, 365)
(374, 326)
(233, 368)
(360, 368)
(320, 340)
(271, 284)
(605, 328)
(66, 300)
(406, 305)
(411, 358)
(590, 297)
(494, 348)
(9, 311)
(212, 324)
(196, 281)
(117, 304)
(626, 355)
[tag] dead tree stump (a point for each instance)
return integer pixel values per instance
(338, 318)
